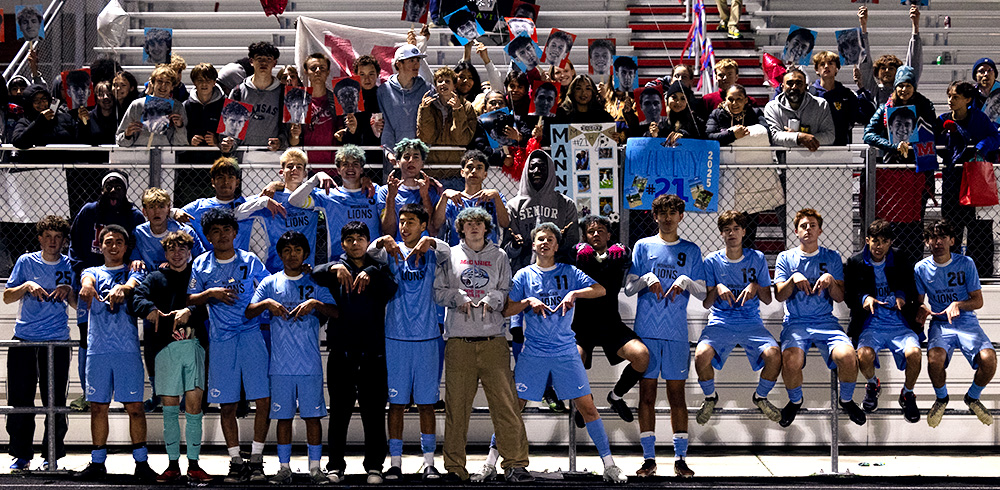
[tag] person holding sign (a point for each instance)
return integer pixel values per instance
(266, 96)
(877, 78)
(44, 124)
(323, 125)
(557, 48)
(132, 131)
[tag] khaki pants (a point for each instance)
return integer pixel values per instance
(729, 15)
(467, 363)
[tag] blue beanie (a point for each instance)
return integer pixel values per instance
(985, 61)
(905, 74)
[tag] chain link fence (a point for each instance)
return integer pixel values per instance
(770, 184)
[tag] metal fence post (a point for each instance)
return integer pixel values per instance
(155, 166)
(50, 413)
(572, 436)
(868, 213)
(834, 425)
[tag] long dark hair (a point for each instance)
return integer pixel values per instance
(596, 102)
(477, 82)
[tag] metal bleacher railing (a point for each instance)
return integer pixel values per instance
(840, 182)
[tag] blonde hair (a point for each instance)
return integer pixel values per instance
(293, 155)
(825, 57)
(726, 63)
(164, 70)
(178, 64)
(154, 196)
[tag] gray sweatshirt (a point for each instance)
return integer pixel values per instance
(172, 136)
(481, 277)
(267, 105)
(813, 115)
(532, 207)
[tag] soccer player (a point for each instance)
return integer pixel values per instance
(666, 271)
(225, 280)
(547, 291)
(879, 288)
(362, 287)
(294, 299)
(346, 203)
(597, 321)
(473, 285)
(474, 167)
(176, 339)
(410, 185)
(412, 336)
(950, 283)
(809, 279)
(738, 281)
(43, 283)
(114, 365)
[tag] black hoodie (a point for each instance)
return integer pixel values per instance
(360, 327)
(35, 130)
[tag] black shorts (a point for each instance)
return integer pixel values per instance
(610, 335)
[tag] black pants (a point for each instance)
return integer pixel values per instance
(361, 377)
(27, 369)
(958, 215)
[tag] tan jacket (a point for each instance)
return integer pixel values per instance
(455, 130)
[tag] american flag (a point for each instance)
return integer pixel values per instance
(700, 46)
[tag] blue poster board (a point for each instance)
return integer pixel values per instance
(690, 170)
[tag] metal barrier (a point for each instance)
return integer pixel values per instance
(51, 410)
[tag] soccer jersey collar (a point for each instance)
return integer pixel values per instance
(226, 261)
(734, 261)
(46, 262)
(292, 278)
(809, 254)
(951, 259)
(547, 269)
(675, 242)
(119, 267)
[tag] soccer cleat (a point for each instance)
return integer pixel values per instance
(257, 471)
(909, 403)
(552, 400)
(335, 476)
(518, 475)
(578, 420)
(80, 404)
(872, 391)
(681, 469)
(721, 27)
(430, 473)
(937, 411)
(620, 407)
(788, 413)
(767, 408)
(198, 475)
(20, 465)
(317, 477)
(282, 477)
(734, 33)
(707, 407)
(977, 408)
(439, 406)
(856, 414)
(238, 472)
(489, 473)
(171, 474)
(394, 473)
(93, 472)
(144, 473)
(648, 468)
(374, 477)
(614, 474)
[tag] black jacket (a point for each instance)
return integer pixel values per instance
(361, 324)
(166, 290)
(859, 280)
(720, 120)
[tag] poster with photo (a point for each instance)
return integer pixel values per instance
(464, 24)
(689, 170)
(29, 23)
(919, 3)
(649, 102)
(297, 100)
(626, 69)
(521, 26)
(524, 52)
(156, 114)
(234, 118)
(850, 46)
(415, 11)
(495, 124)
(77, 88)
(157, 44)
(600, 53)
(347, 95)
(799, 45)
(576, 150)
(557, 47)
(525, 10)
(902, 125)
(544, 99)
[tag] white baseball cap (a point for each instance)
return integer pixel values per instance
(406, 52)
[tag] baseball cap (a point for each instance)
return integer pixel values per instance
(406, 52)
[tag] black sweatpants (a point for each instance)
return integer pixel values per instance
(27, 369)
(361, 377)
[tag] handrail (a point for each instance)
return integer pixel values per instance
(17, 64)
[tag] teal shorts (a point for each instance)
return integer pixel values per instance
(180, 367)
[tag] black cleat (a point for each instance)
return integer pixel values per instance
(872, 391)
(238, 472)
(788, 413)
(395, 473)
(620, 407)
(93, 472)
(552, 400)
(909, 403)
(854, 412)
(144, 473)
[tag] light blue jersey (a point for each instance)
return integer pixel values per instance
(242, 273)
(199, 207)
(450, 234)
(411, 313)
(948, 283)
(662, 318)
(343, 206)
(886, 316)
(149, 249)
(404, 195)
(41, 319)
(736, 276)
(294, 343)
(302, 220)
(808, 308)
(110, 330)
(552, 336)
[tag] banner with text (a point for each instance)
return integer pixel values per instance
(586, 157)
(690, 170)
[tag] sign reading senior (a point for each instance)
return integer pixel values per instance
(690, 170)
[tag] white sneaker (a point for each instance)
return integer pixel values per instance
(614, 474)
(489, 473)
(317, 477)
(374, 477)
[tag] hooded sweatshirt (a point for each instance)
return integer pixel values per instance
(399, 109)
(35, 130)
(877, 134)
(844, 107)
(914, 58)
(173, 136)
(204, 118)
(813, 115)
(468, 275)
(532, 207)
(268, 105)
